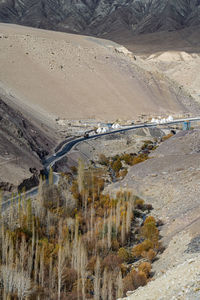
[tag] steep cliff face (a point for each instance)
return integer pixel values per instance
(99, 17)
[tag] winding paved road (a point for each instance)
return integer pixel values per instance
(49, 162)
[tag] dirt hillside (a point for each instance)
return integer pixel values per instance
(174, 54)
(71, 76)
(170, 182)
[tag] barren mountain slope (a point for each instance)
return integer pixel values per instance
(23, 144)
(170, 182)
(98, 17)
(71, 76)
(186, 39)
(174, 54)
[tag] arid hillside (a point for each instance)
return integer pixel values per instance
(78, 77)
(174, 54)
(24, 142)
(169, 180)
(186, 39)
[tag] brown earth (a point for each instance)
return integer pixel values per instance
(78, 77)
(174, 54)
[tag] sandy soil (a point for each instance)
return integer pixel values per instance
(71, 76)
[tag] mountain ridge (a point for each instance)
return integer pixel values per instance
(98, 17)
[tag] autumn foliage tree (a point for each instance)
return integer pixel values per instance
(74, 242)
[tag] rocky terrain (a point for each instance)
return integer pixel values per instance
(72, 78)
(173, 54)
(170, 182)
(111, 145)
(100, 17)
(49, 81)
(23, 144)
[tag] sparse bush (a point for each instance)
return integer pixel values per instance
(148, 207)
(147, 145)
(123, 173)
(124, 254)
(115, 245)
(140, 248)
(69, 278)
(166, 137)
(74, 170)
(151, 254)
(139, 158)
(150, 219)
(150, 232)
(117, 165)
(103, 160)
(127, 158)
(112, 262)
(128, 284)
(137, 250)
(139, 203)
(139, 279)
(145, 267)
(134, 280)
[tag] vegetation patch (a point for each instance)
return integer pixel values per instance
(75, 242)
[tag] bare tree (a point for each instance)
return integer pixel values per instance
(63, 253)
(119, 284)
(97, 280)
(15, 282)
(104, 292)
(80, 177)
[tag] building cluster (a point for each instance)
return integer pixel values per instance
(103, 128)
(162, 120)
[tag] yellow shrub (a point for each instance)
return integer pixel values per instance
(150, 232)
(151, 254)
(140, 158)
(166, 137)
(145, 267)
(139, 279)
(140, 248)
(123, 254)
(137, 250)
(139, 203)
(150, 219)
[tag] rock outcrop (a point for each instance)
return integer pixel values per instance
(99, 17)
(23, 145)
